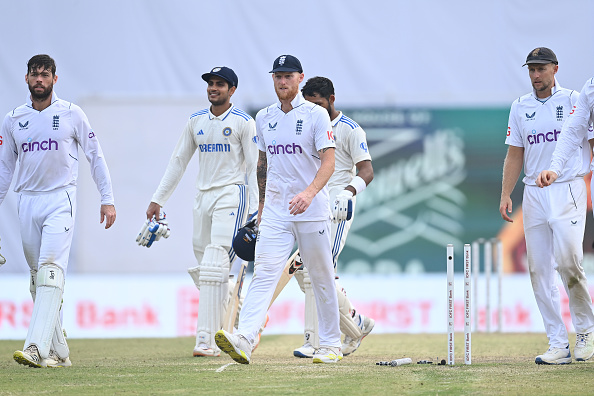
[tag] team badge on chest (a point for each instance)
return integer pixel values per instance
(227, 131)
(559, 113)
(299, 127)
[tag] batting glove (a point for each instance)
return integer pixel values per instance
(2, 259)
(152, 230)
(343, 206)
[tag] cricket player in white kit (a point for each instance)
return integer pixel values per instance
(225, 138)
(352, 174)
(295, 162)
(43, 136)
(554, 218)
(578, 127)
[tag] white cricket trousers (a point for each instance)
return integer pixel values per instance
(47, 226)
(218, 214)
(554, 221)
(274, 245)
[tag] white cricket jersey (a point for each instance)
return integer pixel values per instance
(536, 127)
(578, 126)
(226, 148)
(45, 144)
(291, 142)
(351, 148)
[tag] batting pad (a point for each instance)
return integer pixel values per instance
(195, 274)
(345, 309)
(50, 286)
(310, 319)
(59, 344)
(214, 282)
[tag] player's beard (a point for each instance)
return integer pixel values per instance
(43, 95)
(287, 94)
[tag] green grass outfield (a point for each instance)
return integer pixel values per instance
(502, 364)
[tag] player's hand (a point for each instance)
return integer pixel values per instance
(300, 202)
(546, 178)
(152, 230)
(505, 207)
(2, 259)
(154, 210)
(108, 214)
(343, 206)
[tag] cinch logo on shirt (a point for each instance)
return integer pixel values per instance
(36, 146)
(215, 148)
(536, 138)
(285, 149)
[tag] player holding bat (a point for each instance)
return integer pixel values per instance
(353, 172)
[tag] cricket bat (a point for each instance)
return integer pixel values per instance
(287, 274)
(231, 314)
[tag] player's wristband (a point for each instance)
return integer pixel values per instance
(358, 184)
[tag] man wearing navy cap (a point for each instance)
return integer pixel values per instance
(296, 160)
(554, 218)
(225, 138)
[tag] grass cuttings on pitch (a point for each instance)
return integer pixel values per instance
(502, 364)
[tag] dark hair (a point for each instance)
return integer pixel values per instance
(320, 85)
(41, 61)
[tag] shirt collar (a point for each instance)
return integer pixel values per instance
(296, 102)
(335, 121)
(556, 88)
(222, 116)
(30, 102)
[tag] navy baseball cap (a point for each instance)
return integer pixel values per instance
(286, 63)
(541, 55)
(225, 73)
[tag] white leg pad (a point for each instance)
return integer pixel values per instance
(59, 344)
(348, 326)
(50, 286)
(214, 282)
(299, 275)
(195, 274)
(311, 333)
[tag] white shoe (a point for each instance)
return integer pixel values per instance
(584, 346)
(235, 345)
(554, 356)
(305, 351)
(205, 350)
(54, 360)
(29, 357)
(350, 345)
(327, 355)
